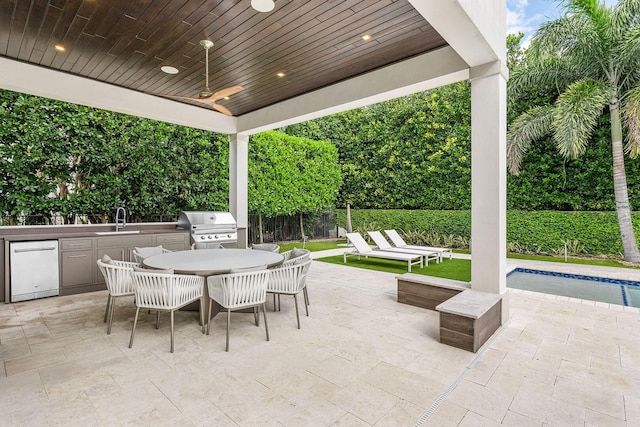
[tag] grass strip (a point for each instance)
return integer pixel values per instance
(456, 269)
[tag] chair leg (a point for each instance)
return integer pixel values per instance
(106, 311)
(275, 306)
(133, 330)
(172, 331)
(202, 313)
(306, 295)
(228, 321)
(295, 297)
(279, 305)
(111, 307)
(256, 316)
(157, 319)
(266, 327)
(209, 315)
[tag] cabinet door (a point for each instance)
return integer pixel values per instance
(77, 268)
(173, 241)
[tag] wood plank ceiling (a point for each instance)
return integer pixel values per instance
(315, 43)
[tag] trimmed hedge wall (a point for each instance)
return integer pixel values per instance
(590, 233)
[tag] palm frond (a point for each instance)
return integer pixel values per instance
(626, 57)
(631, 118)
(528, 127)
(549, 72)
(625, 13)
(576, 115)
(576, 39)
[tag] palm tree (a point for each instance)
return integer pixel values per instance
(592, 56)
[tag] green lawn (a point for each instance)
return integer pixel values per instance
(312, 246)
(457, 269)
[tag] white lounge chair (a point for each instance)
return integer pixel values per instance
(383, 245)
(362, 248)
(399, 242)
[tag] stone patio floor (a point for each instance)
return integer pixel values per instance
(360, 359)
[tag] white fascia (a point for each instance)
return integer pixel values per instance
(34, 80)
(420, 73)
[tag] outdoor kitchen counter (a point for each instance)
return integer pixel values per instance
(54, 232)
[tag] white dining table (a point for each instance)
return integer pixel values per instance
(210, 262)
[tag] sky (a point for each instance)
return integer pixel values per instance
(527, 15)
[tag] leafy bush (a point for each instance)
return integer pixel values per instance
(586, 233)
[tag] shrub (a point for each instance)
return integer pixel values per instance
(586, 233)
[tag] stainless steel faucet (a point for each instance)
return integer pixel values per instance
(121, 218)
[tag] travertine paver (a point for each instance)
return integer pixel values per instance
(360, 359)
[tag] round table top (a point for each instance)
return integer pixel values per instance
(206, 262)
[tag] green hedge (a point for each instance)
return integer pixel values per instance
(589, 233)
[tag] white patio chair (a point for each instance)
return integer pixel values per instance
(269, 247)
(383, 245)
(289, 280)
(139, 254)
(295, 256)
(236, 291)
(399, 242)
(362, 248)
(157, 290)
(117, 276)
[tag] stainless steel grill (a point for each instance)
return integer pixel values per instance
(209, 227)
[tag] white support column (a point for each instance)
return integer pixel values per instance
(489, 181)
(238, 184)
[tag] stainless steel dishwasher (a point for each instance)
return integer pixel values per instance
(34, 270)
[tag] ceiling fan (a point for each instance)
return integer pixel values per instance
(208, 97)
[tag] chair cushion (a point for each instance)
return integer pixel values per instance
(152, 270)
(149, 251)
(106, 259)
(271, 247)
(300, 260)
(295, 252)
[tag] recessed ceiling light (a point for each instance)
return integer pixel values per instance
(281, 74)
(366, 37)
(169, 69)
(226, 98)
(263, 5)
(59, 48)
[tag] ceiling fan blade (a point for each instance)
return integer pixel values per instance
(222, 109)
(226, 92)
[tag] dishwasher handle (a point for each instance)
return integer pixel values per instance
(48, 248)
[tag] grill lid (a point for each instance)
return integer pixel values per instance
(207, 222)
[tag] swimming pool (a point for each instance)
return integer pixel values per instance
(613, 291)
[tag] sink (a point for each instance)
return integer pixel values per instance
(115, 233)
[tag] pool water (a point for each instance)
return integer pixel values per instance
(613, 291)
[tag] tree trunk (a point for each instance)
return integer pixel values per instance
(301, 228)
(623, 209)
(260, 239)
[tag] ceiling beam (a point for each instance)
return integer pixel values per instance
(474, 29)
(39, 81)
(427, 71)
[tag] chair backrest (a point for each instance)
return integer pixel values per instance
(117, 278)
(288, 279)
(166, 291)
(269, 247)
(295, 256)
(139, 254)
(379, 239)
(358, 241)
(396, 238)
(238, 290)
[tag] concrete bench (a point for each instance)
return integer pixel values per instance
(468, 320)
(467, 317)
(426, 291)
